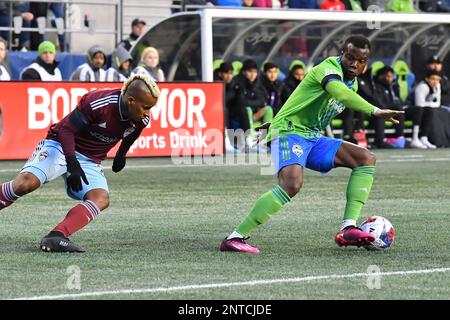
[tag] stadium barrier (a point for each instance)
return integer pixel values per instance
(187, 120)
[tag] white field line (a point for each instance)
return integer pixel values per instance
(231, 284)
(159, 166)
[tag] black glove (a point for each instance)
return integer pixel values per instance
(75, 174)
(118, 163)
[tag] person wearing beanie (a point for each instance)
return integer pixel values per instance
(120, 65)
(45, 67)
(92, 71)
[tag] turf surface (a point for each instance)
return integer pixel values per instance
(165, 224)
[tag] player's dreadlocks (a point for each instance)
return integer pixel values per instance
(147, 80)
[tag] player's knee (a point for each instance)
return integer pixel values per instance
(101, 201)
(292, 187)
(25, 183)
(368, 159)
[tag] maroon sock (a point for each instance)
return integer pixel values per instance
(78, 217)
(7, 195)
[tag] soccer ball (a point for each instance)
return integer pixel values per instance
(382, 229)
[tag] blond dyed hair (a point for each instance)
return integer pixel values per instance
(151, 85)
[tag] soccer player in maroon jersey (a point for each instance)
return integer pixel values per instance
(74, 149)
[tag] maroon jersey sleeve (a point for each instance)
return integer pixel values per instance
(72, 124)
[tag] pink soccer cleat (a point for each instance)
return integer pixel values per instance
(353, 236)
(238, 245)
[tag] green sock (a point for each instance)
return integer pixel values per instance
(250, 116)
(358, 190)
(267, 205)
(268, 114)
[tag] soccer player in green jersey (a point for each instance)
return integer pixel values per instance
(297, 143)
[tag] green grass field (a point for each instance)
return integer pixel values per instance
(161, 234)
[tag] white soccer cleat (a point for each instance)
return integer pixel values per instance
(416, 143)
(427, 143)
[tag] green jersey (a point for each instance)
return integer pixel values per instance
(310, 108)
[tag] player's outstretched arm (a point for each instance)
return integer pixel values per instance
(350, 99)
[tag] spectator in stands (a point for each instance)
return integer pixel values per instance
(247, 3)
(227, 3)
(272, 86)
(253, 93)
(387, 94)
(45, 67)
(150, 65)
(303, 4)
(400, 6)
(120, 65)
(137, 29)
(38, 9)
(356, 5)
(434, 63)
(236, 116)
(92, 71)
(427, 97)
(332, 5)
(262, 3)
(434, 6)
(20, 9)
(295, 76)
(4, 74)
(365, 4)
(59, 12)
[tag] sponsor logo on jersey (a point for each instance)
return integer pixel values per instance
(297, 150)
(102, 125)
(43, 155)
(327, 72)
(103, 138)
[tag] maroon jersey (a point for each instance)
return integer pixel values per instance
(107, 125)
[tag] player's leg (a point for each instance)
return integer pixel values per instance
(362, 163)
(41, 167)
(94, 197)
(22, 184)
(289, 155)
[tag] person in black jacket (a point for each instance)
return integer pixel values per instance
(137, 29)
(272, 86)
(235, 113)
(253, 93)
(252, 98)
(296, 75)
(387, 93)
(434, 63)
